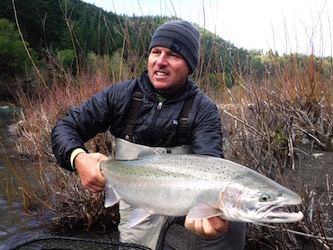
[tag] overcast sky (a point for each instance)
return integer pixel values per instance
(282, 25)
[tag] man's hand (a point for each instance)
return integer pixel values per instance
(207, 228)
(88, 166)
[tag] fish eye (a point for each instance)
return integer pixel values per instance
(265, 197)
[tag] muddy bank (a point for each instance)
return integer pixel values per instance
(314, 170)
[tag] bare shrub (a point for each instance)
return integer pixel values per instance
(267, 132)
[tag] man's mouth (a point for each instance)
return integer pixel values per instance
(159, 73)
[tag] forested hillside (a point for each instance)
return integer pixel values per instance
(43, 23)
(70, 29)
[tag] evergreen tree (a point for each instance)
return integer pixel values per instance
(13, 57)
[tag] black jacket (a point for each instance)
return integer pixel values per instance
(154, 127)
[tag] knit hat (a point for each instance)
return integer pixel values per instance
(181, 37)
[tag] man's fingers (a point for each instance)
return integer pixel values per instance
(88, 166)
(198, 228)
(207, 228)
(219, 225)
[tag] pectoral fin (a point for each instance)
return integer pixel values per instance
(202, 211)
(111, 196)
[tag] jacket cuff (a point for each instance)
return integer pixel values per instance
(74, 153)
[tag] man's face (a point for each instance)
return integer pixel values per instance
(167, 70)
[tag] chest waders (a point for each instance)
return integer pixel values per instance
(182, 130)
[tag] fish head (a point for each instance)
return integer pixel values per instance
(264, 201)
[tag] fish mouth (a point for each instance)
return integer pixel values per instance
(280, 214)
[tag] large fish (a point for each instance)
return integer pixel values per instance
(196, 186)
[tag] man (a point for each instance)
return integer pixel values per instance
(173, 55)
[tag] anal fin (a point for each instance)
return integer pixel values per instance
(138, 215)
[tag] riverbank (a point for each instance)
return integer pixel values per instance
(311, 178)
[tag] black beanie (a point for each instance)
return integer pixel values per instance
(181, 37)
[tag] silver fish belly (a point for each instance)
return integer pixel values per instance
(197, 186)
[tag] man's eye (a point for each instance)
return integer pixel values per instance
(155, 52)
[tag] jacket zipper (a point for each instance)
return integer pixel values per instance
(159, 106)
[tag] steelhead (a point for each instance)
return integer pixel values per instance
(197, 186)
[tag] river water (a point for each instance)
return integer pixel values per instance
(13, 219)
(20, 229)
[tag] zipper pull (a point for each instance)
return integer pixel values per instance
(159, 106)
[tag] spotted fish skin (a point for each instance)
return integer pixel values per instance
(198, 186)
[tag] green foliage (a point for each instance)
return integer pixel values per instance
(114, 67)
(278, 136)
(66, 58)
(13, 57)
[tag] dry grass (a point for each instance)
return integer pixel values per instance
(58, 191)
(265, 129)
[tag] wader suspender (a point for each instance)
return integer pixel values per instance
(182, 127)
(134, 111)
(133, 114)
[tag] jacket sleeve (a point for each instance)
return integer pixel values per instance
(207, 128)
(84, 122)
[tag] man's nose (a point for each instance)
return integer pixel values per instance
(162, 59)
